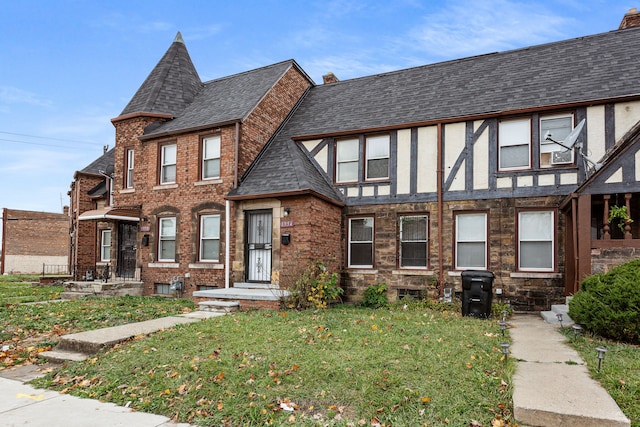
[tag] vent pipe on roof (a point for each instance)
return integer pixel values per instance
(630, 19)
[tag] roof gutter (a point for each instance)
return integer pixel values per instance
(187, 130)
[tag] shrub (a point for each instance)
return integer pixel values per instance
(375, 296)
(316, 287)
(609, 304)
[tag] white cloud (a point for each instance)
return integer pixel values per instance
(478, 26)
(14, 95)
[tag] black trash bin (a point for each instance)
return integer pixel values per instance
(477, 292)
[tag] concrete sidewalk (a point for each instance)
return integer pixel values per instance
(23, 405)
(552, 386)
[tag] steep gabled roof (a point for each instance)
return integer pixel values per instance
(103, 163)
(596, 68)
(171, 85)
(225, 100)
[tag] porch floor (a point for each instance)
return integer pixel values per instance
(242, 293)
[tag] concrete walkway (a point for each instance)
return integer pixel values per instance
(552, 386)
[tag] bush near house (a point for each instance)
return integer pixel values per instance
(608, 304)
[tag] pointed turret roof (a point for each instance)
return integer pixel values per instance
(170, 87)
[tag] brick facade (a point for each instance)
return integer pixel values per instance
(83, 250)
(31, 239)
(191, 196)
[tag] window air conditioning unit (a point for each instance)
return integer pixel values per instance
(562, 157)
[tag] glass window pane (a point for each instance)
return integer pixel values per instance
(361, 254)
(471, 255)
(212, 148)
(347, 150)
(106, 238)
(413, 254)
(211, 168)
(377, 147)
(471, 227)
(169, 173)
(362, 230)
(536, 255)
(514, 156)
(536, 225)
(347, 172)
(413, 228)
(211, 226)
(558, 128)
(210, 250)
(378, 168)
(167, 227)
(167, 249)
(169, 154)
(515, 132)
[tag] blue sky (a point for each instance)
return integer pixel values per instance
(68, 66)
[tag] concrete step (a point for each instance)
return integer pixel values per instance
(240, 293)
(62, 356)
(219, 306)
(246, 285)
(551, 316)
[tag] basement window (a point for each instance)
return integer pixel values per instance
(162, 289)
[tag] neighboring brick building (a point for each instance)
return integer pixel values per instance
(31, 239)
(408, 178)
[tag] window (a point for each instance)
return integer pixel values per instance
(536, 241)
(167, 241)
(129, 175)
(211, 158)
(471, 241)
(162, 288)
(413, 241)
(558, 128)
(105, 246)
(377, 157)
(361, 242)
(168, 164)
(209, 237)
(514, 140)
(347, 160)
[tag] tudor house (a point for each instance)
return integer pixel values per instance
(408, 177)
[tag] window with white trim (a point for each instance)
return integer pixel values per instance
(361, 242)
(471, 241)
(130, 165)
(414, 241)
(168, 159)
(211, 157)
(558, 128)
(105, 246)
(167, 239)
(210, 238)
(536, 241)
(377, 157)
(514, 141)
(347, 160)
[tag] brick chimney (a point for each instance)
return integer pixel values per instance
(330, 78)
(630, 19)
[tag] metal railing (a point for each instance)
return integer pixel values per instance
(55, 270)
(92, 272)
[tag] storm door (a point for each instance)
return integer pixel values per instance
(259, 227)
(127, 237)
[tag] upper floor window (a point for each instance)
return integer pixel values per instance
(129, 169)
(471, 241)
(514, 140)
(361, 242)
(558, 128)
(168, 164)
(211, 157)
(105, 246)
(414, 241)
(167, 239)
(347, 160)
(377, 152)
(536, 241)
(210, 238)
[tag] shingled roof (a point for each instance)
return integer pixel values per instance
(103, 163)
(583, 70)
(171, 85)
(225, 100)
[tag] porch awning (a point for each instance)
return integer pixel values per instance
(111, 213)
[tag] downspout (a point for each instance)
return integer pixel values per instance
(576, 257)
(440, 172)
(227, 212)
(4, 236)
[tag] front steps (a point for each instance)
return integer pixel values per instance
(115, 288)
(551, 316)
(241, 296)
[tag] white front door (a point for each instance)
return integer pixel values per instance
(259, 227)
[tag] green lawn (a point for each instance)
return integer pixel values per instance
(341, 366)
(619, 373)
(16, 289)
